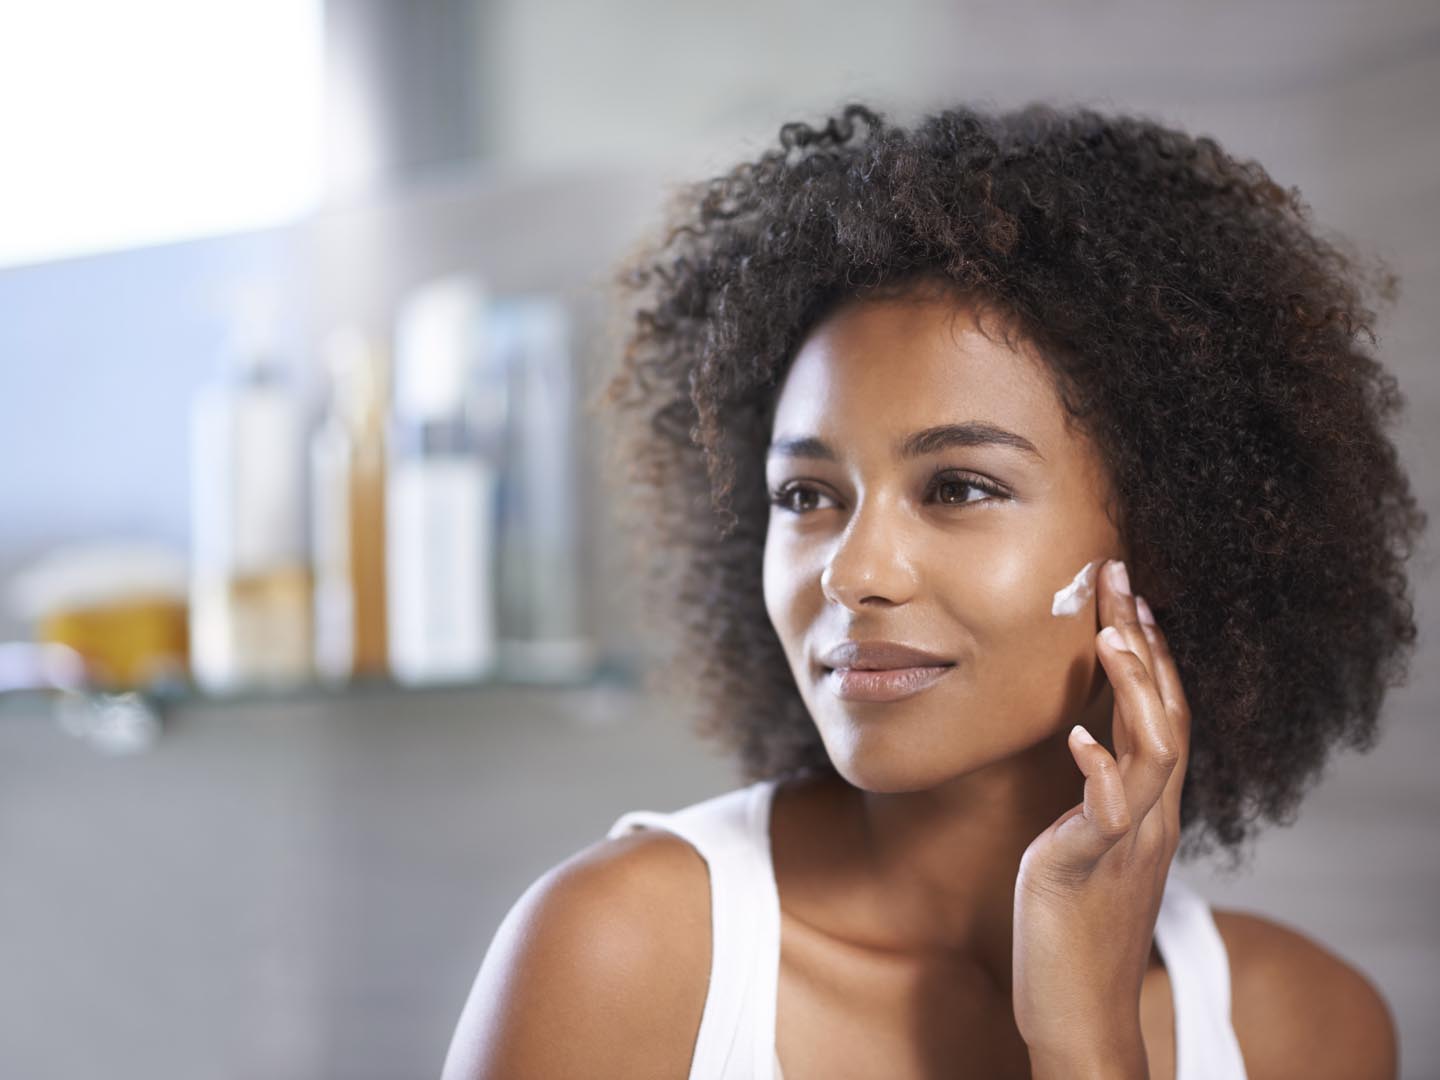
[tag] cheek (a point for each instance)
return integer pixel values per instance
(792, 602)
(1005, 597)
(1003, 593)
(782, 587)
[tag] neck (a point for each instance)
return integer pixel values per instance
(932, 872)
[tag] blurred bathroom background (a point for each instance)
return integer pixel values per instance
(277, 756)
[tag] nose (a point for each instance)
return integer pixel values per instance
(869, 563)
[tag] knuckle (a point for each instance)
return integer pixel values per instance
(1114, 823)
(1136, 675)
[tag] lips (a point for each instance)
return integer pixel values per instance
(880, 656)
(881, 670)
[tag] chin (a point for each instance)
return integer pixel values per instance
(882, 761)
(916, 753)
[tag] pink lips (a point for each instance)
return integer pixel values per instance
(891, 684)
(879, 670)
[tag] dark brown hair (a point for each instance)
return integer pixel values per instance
(1214, 344)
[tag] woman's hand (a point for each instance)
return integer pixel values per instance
(1089, 887)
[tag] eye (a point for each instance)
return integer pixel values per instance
(948, 481)
(944, 485)
(784, 497)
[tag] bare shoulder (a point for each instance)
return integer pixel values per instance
(599, 969)
(1299, 1009)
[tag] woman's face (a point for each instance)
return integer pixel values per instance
(881, 534)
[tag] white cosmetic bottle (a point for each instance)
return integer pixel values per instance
(440, 492)
(250, 587)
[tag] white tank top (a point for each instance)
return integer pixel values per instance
(737, 1028)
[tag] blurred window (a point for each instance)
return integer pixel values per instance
(144, 121)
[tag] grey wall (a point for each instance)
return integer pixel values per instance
(298, 890)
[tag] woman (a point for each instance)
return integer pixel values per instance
(1054, 521)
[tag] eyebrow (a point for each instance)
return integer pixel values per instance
(929, 441)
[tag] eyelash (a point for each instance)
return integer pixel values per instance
(781, 496)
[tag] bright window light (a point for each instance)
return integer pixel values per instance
(123, 124)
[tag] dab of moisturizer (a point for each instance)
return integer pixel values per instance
(1069, 600)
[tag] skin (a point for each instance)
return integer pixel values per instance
(946, 791)
(978, 889)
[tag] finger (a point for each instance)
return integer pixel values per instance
(1103, 817)
(1115, 607)
(1139, 708)
(1104, 612)
(1118, 608)
(1177, 707)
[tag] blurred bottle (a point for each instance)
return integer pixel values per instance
(541, 616)
(250, 585)
(347, 485)
(120, 606)
(440, 497)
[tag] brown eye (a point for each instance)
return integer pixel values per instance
(945, 485)
(949, 487)
(785, 498)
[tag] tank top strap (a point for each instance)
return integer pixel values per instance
(731, 833)
(1199, 971)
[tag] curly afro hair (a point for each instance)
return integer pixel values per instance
(1201, 331)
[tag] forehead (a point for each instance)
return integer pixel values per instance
(878, 367)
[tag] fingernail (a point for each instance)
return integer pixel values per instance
(1084, 736)
(1143, 610)
(1119, 578)
(1112, 638)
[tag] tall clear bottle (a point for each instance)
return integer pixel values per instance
(441, 491)
(347, 484)
(541, 612)
(250, 584)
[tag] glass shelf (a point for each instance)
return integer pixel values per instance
(122, 722)
(609, 671)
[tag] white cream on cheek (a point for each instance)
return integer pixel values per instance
(1069, 600)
